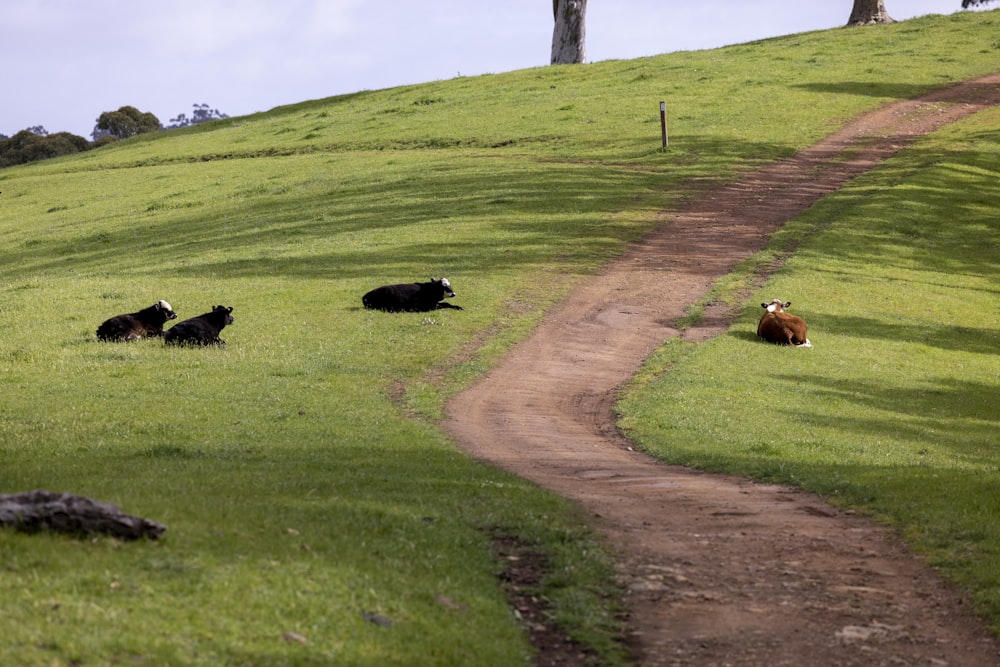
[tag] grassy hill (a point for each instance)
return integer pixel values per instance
(299, 470)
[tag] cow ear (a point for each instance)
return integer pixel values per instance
(764, 306)
(230, 309)
(787, 304)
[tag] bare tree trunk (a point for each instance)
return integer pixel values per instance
(33, 511)
(570, 34)
(867, 12)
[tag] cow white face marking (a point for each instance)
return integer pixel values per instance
(776, 306)
(448, 291)
(164, 306)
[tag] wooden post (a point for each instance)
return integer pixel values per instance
(663, 122)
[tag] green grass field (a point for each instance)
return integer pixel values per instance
(299, 470)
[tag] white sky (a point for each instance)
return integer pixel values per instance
(65, 61)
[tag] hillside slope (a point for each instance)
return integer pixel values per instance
(304, 483)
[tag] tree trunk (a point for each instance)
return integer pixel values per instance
(569, 34)
(34, 511)
(867, 12)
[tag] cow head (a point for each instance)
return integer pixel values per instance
(168, 312)
(228, 319)
(448, 291)
(776, 306)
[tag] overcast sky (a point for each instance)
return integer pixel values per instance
(66, 61)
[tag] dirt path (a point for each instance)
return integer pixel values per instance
(720, 570)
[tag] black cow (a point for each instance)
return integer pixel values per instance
(411, 297)
(133, 326)
(201, 330)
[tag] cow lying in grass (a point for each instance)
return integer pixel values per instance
(777, 326)
(201, 330)
(411, 297)
(133, 326)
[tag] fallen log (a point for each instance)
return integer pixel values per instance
(34, 511)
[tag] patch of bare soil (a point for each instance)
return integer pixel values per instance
(719, 570)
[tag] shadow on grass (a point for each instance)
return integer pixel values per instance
(264, 222)
(957, 414)
(945, 337)
(899, 91)
(747, 336)
(486, 211)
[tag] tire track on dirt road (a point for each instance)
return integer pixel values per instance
(719, 570)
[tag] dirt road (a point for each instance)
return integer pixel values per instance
(720, 571)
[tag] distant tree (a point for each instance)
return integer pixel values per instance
(972, 3)
(127, 122)
(64, 143)
(29, 146)
(102, 139)
(867, 12)
(569, 35)
(20, 149)
(202, 114)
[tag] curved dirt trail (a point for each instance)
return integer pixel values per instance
(720, 570)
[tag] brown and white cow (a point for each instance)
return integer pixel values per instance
(777, 326)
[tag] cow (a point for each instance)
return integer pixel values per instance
(201, 330)
(777, 326)
(411, 297)
(146, 323)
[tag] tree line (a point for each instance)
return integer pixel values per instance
(35, 143)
